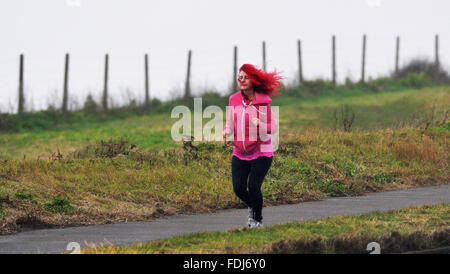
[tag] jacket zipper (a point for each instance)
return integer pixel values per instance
(242, 129)
(243, 122)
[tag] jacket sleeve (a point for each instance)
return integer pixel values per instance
(269, 123)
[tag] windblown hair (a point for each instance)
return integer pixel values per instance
(264, 82)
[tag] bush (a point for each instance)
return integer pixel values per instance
(90, 106)
(317, 87)
(422, 65)
(346, 117)
(417, 80)
(377, 85)
(349, 83)
(59, 204)
(23, 195)
(7, 124)
(29, 120)
(132, 107)
(105, 149)
(213, 98)
(155, 102)
(333, 188)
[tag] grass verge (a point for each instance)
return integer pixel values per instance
(408, 229)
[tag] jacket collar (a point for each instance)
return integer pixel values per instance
(259, 98)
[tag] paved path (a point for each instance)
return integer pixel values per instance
(56, 240)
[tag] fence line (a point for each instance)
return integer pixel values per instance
(187, 91)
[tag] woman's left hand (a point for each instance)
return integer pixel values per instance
(255, 121)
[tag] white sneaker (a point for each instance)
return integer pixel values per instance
(250, 216)
(250, 222)
(256, 224)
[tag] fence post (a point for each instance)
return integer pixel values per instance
(21, 95)
(300, 70)
(187, 90)
(235, 85)
(105, 85)
(334, 60)
(363, 68)
(397, 54)
(66, 91)
(436, 50)
(264, 55)
(147, 93)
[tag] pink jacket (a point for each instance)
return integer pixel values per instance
(250, 141)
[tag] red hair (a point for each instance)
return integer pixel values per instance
(264, 82)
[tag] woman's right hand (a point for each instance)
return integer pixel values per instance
(225, 133)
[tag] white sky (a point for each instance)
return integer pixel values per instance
(44, 30)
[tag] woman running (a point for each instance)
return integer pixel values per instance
(251, 122)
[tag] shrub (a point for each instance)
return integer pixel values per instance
(377, 85)
(213, 98)
(347, 117)
(90, 106)
(105, 149)
(416, 80)
(23, 195)
(133, 107)
(317, 87)
(422, 65)
(155, 102)
(384, 178)
(348, 83)
(333, 188)
(59, 204)
(7, 124)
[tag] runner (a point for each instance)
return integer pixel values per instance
(251, 122)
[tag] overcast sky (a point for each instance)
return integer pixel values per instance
(44, 30)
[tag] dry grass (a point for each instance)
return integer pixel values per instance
(356, 243)
(143, 184)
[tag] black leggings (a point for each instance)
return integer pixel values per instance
(257, 168)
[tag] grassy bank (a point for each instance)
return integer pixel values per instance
(68, 177)
(139, 184)
(395, 110)
(396, 231)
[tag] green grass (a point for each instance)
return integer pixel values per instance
(3, 213)
(385, 149)
(372, 112)
(24, 195)
(145, 131)
(314, 236)
(59, 204)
